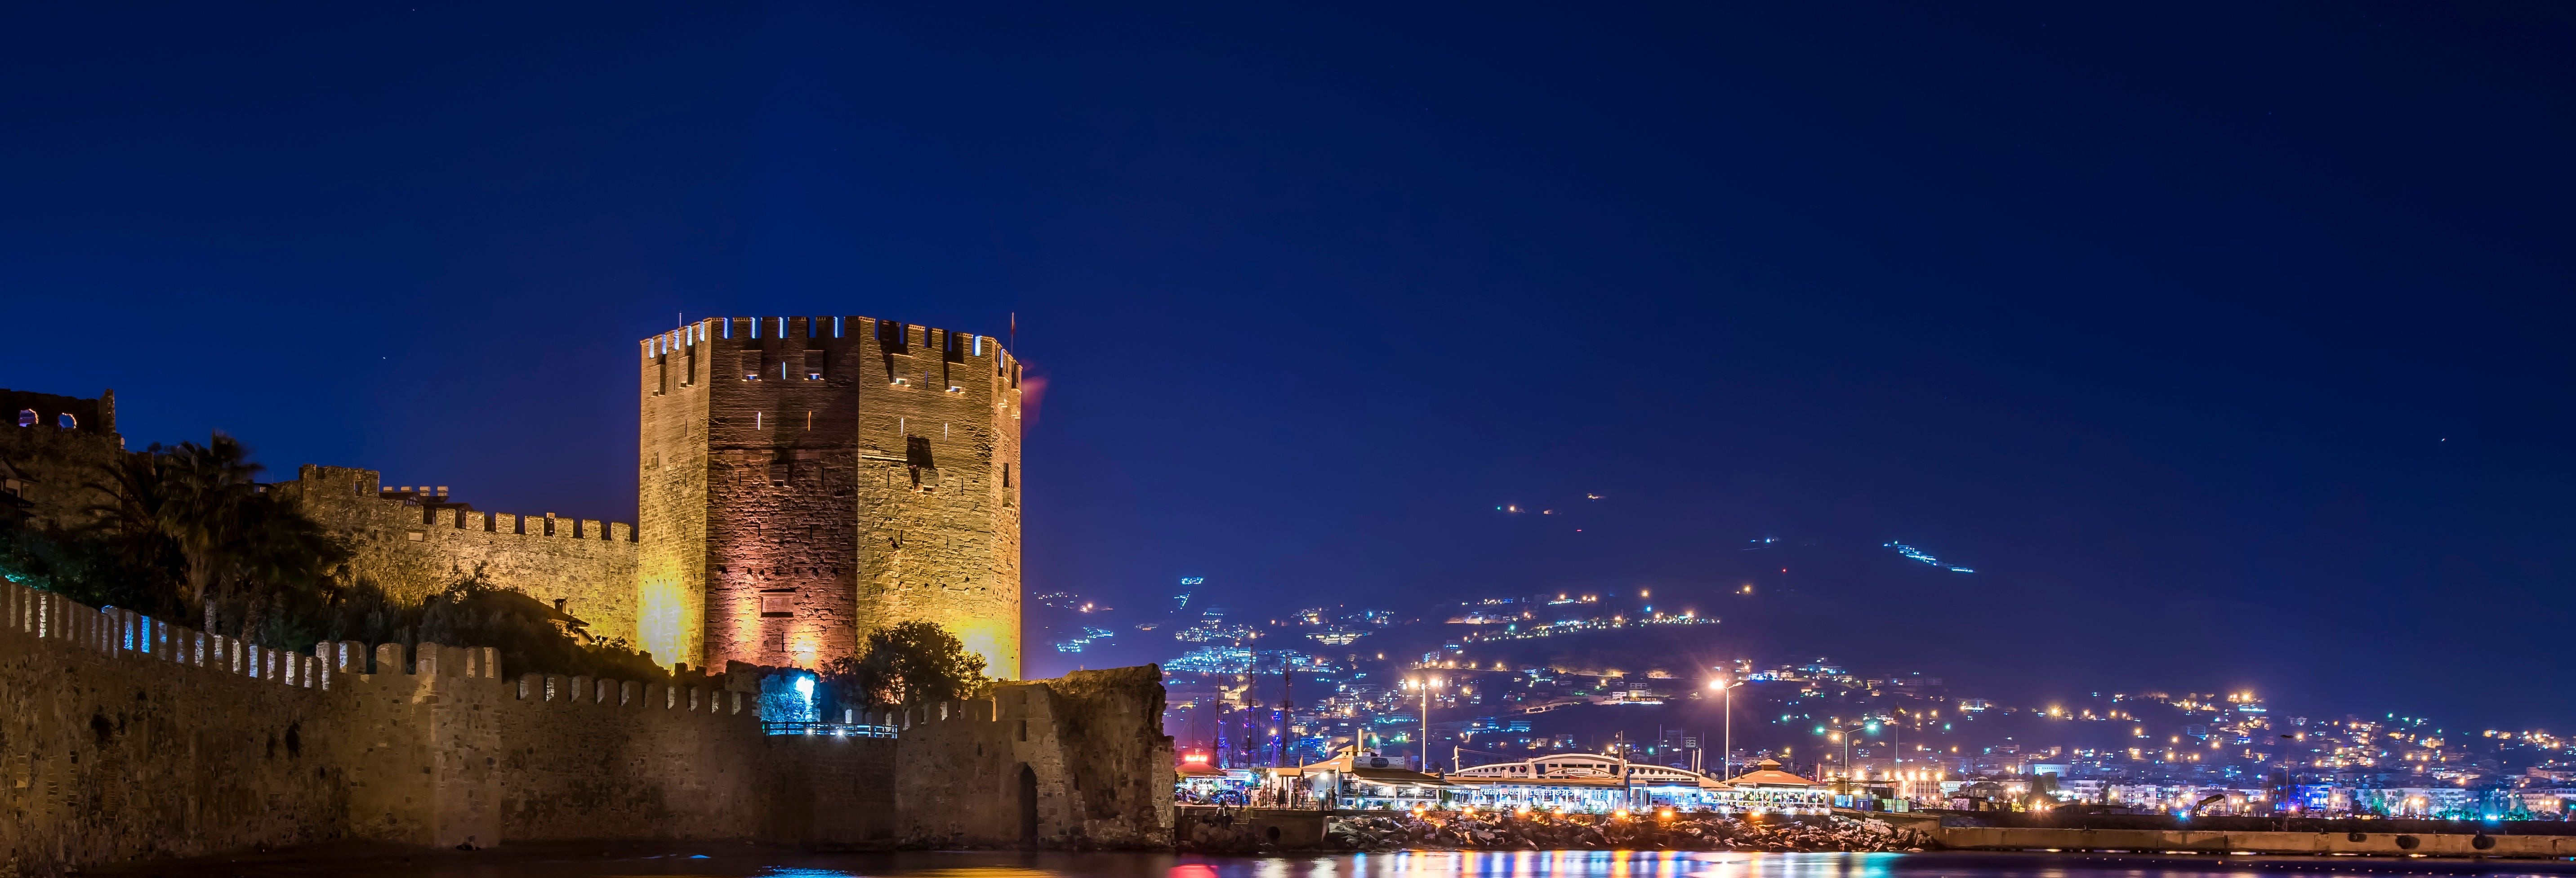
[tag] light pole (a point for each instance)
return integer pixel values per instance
(1426, 684)
(1843, 733)
(1896, 726)
(1726, 757)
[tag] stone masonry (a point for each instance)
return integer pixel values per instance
(800, 482)
(62, 460)
(413, 545)
(805, 480)
(123, 738)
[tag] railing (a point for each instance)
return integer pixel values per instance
(836, 730)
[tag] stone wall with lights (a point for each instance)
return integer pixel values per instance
(413, 543)
(800, 482)
(125, 738)
(806, 480)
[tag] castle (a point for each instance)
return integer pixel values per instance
(800, 481)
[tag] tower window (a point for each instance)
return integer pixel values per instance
(1006, 475)
(66, 421)
(751, 365)
(814, 362)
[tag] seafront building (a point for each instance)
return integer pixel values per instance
(1580, 783)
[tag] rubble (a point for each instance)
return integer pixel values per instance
(1666, 831)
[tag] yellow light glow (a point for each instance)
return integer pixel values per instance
(662, 621)
(996, 640)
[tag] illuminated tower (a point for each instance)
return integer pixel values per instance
(805, 480)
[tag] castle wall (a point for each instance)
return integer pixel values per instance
(414, 551)
(63, 464)
(124, 738)
(603, 759)
(819, 478)
(671, 461)
(1099, 768)
(110, 753)
(939, 527)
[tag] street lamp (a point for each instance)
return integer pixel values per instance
(1842, 732)
(1426, 685)
(1726, 757)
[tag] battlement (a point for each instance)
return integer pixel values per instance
(32, 410)
(787, 336)
(432, 508)
(557, 691)
(115, 633)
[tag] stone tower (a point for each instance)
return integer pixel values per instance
(804, 480)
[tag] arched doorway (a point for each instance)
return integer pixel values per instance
(1028, 804)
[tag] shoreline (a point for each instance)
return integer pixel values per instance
(627, 858)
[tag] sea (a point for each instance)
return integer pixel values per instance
(756, 862)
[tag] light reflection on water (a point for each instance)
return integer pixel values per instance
(769, 863)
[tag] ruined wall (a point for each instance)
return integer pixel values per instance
(414, 549)
(807, 480)
(62, 464)
(1074, 762)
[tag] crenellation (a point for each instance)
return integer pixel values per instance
(820, 493)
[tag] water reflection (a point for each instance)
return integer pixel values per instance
(767, 863)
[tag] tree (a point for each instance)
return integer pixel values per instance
(128, 517)
(237, 545)
(470, 611)
(276, 554)
(906, 664)
(203, 489)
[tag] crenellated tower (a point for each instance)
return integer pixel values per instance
(804, 480)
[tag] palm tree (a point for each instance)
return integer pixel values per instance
(275, 552)
(126, 523)
(204, 490)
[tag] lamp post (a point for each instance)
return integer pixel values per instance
(1843, 733)
(1426, 684)
(1896, 727)
(1726, 756)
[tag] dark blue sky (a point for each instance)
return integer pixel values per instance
(2226, 342)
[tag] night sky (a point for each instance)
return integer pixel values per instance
(2227, 343)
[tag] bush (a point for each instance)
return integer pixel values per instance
(909, 663)
(470, 612)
